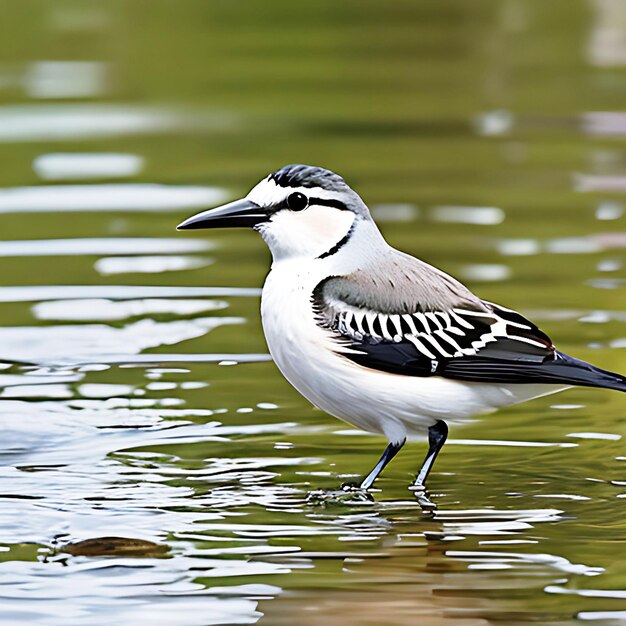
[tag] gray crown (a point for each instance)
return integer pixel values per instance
(308, 176)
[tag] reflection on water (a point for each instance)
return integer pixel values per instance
(112, 197)
(110, 310)
(84, 246)
(63, 122)
(94, 343)
(87, 166)
(45, 80)
(154, 466)
(38, 123)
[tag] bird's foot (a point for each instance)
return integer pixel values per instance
(347, 494)
(423, 499)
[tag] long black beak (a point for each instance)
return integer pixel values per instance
(235, 214)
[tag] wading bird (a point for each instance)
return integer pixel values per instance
(379, 338)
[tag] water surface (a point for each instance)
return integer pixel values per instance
(155, 466)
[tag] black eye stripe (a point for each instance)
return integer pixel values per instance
(337, 204)
(287, 203)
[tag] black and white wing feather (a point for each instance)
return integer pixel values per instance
(474, 341)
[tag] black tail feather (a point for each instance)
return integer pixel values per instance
(587, 375)
(561, 369)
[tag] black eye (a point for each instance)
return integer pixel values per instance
(297, 201)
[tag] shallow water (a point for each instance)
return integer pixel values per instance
(154, 465)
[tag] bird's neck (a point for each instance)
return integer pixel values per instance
(360, 246)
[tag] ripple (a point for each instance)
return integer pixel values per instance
(587, 593)
(604, 436)
(101, 309)
(66, 79)
(460, 524)
(221, 359)
(101, 245)
(604, 123)
(85, 165)
(494, 123)
(149, 264)
(587, 183)
(486, 272)
(486, 216)
(514, 444)
(96, 343)
(395, 212)
(516, 559)
(518, 247)
(138, 589)
(125, 197)
(562, 245)
(607, 283)
(609, 211)
(601, 615)
(71, 122)
(38, 293)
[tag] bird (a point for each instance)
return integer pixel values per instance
(378, 338)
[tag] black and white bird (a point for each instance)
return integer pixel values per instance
(379, 338)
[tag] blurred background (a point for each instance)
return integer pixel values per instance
(154, 464)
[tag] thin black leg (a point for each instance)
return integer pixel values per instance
(437, 435)
(390, 451)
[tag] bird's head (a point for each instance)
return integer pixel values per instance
(300, 210)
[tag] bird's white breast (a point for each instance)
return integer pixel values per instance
(378, 402)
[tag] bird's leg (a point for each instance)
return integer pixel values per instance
(437, 435)
(390, 451)
(357, 492)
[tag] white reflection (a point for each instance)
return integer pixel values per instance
(482, 215)
(65, 79)
(607, 436)
(161, 386)
(137, 586)
(607, 37)
(37, 378)
(76, 166)
(494, 123)
(486, 272)
(607, 283)
(609, 211)
(595, 317)
(136, 360)
(557, 562)
(395, 212)
(590, 244)
(63, 122)
(101, 245)
(100, 390)
(610, 265)
(56, 392)
(148, 264)
(458, 524)
(36, 293)
(610, 240)
(111, 197)
(99, 341)
(585, 183)
(572, 245)
(518, 247)
(107, 310)
(610, 616)
(604, 123)
(514, 444)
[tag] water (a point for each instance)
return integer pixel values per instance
(155, 467)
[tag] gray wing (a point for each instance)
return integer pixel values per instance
(466, 339)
